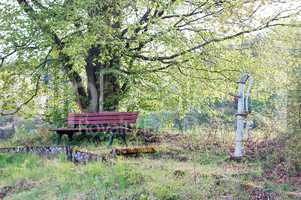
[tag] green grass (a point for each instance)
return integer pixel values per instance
(140, 178)
(204, 175)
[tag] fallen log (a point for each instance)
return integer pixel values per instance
(133, 150)
(296, 195)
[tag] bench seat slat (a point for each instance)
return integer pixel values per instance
(103, 114)
(96, 129)
(110, 122)
(110, 118)
(102, 118)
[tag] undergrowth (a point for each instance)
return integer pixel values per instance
(186, 166)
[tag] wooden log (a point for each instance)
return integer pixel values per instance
(133, 150)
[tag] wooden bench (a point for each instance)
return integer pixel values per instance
(114, 122)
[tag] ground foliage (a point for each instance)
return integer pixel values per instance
(184, 167)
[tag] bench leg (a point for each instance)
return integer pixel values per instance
(112, 138)
(70, 136)
(97, 139)
(59, 138)
(123, 136)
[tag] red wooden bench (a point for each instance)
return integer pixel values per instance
(114, 122)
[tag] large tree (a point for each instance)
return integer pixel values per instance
(105, 47)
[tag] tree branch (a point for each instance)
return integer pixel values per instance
(16, 48)
(45, 28)
(3, 113)
(214, 40)
(74, 77)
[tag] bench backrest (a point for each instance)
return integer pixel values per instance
(102, 118)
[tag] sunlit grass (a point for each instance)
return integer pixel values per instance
(204, 174)
(142, 177)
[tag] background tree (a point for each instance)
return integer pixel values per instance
(106, 48)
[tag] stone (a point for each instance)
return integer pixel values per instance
(6, 133)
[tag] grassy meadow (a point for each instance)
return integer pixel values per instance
(185, 166)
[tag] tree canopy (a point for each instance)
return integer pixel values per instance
(109, 49)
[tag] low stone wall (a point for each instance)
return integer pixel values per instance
(75, 154)
(72, 153)
(6, 133)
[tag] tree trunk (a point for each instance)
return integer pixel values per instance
(101, 88)
(92, 84)
(103, 97)
(111, 92)
(77, 84)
